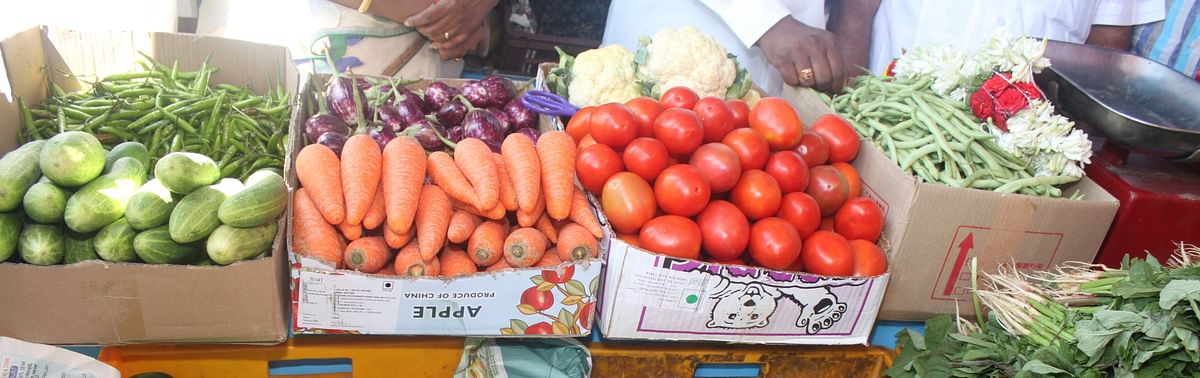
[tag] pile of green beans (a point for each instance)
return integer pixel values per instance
(934, 138)
(169, 110)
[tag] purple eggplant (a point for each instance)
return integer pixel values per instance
(455, 134)
(438, 94)
(491, 92)
(400, 115)
(521, 116)
(482, 124)
(334, 141)
(506, 122)
(381, 133)
(405, 95)
(532, 133)
(339, 96)
(319, 124)
(362, 84)
(429, 134)
(452, 113)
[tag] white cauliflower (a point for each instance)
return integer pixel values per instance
(686, 57)
(603, 75)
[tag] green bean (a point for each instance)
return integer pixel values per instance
(131, 76)
(917, 154)
(1014, 185)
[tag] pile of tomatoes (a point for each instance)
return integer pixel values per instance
(721, 181)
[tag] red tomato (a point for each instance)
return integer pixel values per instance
(715, 118)
(828, 254)
(859, 218)
(757, 194)
(813, 149)
(774, 243)
(724, 230)
(826, 224)
(828, 187)
(680, 130)
(682, 190)
(797, 266)
(679, 97)
(801, 210)
(580, 123)
(627, 201)
(595, 164)
(646, 110)
(751, 148)
(853, 182)
(631, 239)
(585, 143)
(741, 112)
(839, 135)
(646, 157)
(869, 260)
(734, 261)
(613, 125)
(775, 118)
(788, 168)
(719, 164)
(671, 235)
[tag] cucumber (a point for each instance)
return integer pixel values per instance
(46, 202)
(80, 247)
(183, 172)
(155, 246)
(103, 200)
(128, 149)
(72, 159)
(202, 259)
(19, 169)
(114, 242)
(195, 216)
(229, 244)
(263, 201)
(10, 233)
(42, 244)
(150, 206)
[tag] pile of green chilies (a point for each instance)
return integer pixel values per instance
(934, 138)
(169, 110)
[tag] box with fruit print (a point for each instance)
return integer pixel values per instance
(453, 270)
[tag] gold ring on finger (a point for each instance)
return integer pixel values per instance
(446, 35)
(806, 74)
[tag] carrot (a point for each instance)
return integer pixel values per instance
(388, 270)
(546, 226)
(576, 243)
(361, 165)
(556, 151)
(433, 218)
(395, 240)
(318, 169)
(582, 213)
(529, 219)
(409, 263)
(524, 247)
(486, 245)
(474, 158)
(311, 234)
(462, 224)
(367, 255)
(524, 169)
(498, 266)
(454, 261)
(446, 175)
(549, 258)
(403, 173)
(376, 213)
(508, 193)
(351, 231)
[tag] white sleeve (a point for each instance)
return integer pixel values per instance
(748, 19)
(1129, 12)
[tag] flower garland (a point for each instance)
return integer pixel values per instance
(997, 82)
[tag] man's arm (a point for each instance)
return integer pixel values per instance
(1111, 36)
(851, 21)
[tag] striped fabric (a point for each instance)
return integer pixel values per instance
(1175, 41)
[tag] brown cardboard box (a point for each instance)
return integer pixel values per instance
(936, 230)
(99, 302)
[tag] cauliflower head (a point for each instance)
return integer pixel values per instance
(687, 57)
(603, 75)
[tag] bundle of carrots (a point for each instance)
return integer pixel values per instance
(398, 211)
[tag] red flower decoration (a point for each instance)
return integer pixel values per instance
(890, 70)
(996, 84)
(1011, 101)
(981, 104)
(1030, 90)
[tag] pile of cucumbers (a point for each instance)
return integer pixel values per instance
(67, 199)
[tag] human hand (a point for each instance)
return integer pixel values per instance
(451, 24)
(468, 44)
(804, 55)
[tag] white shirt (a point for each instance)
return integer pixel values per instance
(736, 24)
(905, 24)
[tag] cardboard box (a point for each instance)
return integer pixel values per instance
(935, 231)
(483, 304)
(98, 302)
